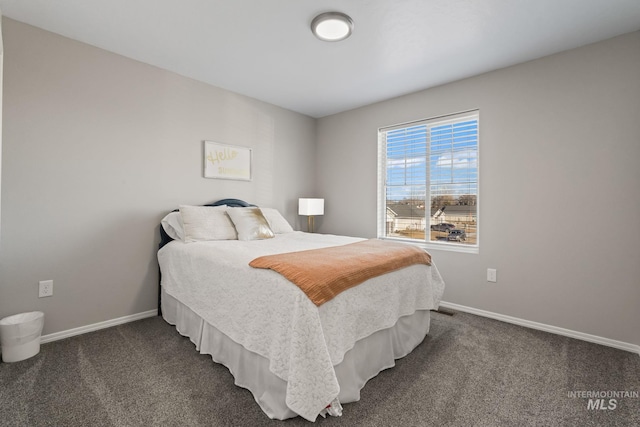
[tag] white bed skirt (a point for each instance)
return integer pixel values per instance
(364, 361)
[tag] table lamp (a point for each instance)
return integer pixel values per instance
(311, 208)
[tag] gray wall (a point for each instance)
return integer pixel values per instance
(560, 205)
(96, 147)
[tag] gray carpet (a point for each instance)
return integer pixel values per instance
(469, 371)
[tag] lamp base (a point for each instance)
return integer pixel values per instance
(310, 223)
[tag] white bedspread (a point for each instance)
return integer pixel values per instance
(270, 316)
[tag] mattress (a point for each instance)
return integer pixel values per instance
(266, 315)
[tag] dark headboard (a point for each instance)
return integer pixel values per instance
(164, 237)
(234, 203)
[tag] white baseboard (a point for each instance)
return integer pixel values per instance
(503, 318)
(97, 326)
(547, 328)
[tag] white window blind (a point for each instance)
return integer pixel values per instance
(428, 181)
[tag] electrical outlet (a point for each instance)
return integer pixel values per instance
(492, 275)
(45, 289)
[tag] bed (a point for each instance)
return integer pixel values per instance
(297, 358)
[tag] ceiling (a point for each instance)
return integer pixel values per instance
(264, 48)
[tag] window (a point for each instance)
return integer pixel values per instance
(428, 182)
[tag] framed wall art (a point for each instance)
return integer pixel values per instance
(225, 161)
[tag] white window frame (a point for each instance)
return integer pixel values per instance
(382, 177)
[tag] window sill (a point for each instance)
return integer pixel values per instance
(451, 247)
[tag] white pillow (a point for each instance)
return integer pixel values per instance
(207, 223)
(250, 223)
(276, 221)
(173, 226)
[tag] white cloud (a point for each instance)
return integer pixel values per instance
(410, 161)
(459, 160)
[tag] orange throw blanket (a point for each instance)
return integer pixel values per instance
(324, 273)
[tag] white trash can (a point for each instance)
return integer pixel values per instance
(20, 336)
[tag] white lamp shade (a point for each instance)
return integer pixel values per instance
(310, 206)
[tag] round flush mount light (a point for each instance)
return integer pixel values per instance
(332, 26)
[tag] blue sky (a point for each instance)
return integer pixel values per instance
(453, 161)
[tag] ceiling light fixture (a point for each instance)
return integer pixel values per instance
(332, 26)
